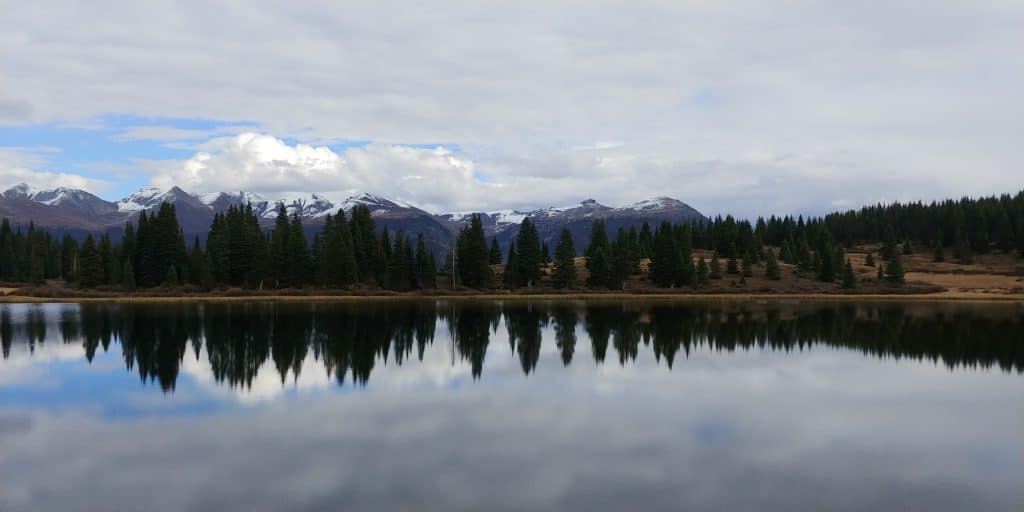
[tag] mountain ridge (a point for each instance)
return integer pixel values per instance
(78, 212)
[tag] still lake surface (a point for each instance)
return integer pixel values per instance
(435, 405)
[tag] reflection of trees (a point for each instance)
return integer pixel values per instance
(351, 339)
(524, 324)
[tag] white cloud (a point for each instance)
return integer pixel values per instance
(796, 105)
(17, 166)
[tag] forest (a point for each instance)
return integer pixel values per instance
(350, 253)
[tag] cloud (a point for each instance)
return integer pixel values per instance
(916, 103)
(17, 166)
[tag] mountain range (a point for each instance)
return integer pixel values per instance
(77, 212)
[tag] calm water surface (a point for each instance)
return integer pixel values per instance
(515, 406)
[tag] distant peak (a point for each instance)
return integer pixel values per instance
(588, 202)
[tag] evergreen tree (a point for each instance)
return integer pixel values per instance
(90, 272)
(495, 255)
(908, 248)
(425, 264)
(869, 260)
(962, 248)
(772, 267)
(529, 254)
(894, 272)
(128, 278)
(298, 260)
(703, 274)
(849, 278)
(545, 253)
(748, 268)
(171, 280)
(510, 279)
(938, 254)
(880, 275)
(473, 267)
(597, 253)
(716, 269)
(565, 262)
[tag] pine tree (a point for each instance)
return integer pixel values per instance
(426, 266)
(772, 267)
(565, 261)
(90, 272)
(938, 254)
(880, 275)
(495, 255)
(279, 256)
(297, 254)
(962, 248)
(895, 272)
(849, 278)
(171, 281)
(529, 254)
(748, 268)
(703, 274)
(597, 253)
(510, 278)
(545, 253)
(716, 268)
(908, 248)
(128, 282)
(472, 255)
(869, 260)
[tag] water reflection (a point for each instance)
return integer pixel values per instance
(349, 340)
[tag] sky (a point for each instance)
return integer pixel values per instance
(751, 108)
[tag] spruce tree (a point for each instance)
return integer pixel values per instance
(510, 279)
(849, 278)
(279, 255)
(962, 248)
(748, 268)
(598, 255)
(565, 261)
(880, 275)
(171, 280)
(908, 248)
(869, 260)
(703, 274)
(298, 254)
(894, 272)
(90, 272)
(772, 266)
(425, 264)
(938, 254)
(528, 255)
(545, 253)
(495, 255)
(128, 278)
(473, 268)
(715, 267)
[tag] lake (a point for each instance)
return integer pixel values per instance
(460, 405)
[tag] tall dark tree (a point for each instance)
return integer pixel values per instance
(90, 266)
(565, 261)
(473, 256)
(529, 255)
(495, 254)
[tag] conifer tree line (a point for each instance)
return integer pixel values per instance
(347, 251)
(237, 253)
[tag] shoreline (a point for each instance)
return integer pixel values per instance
(541, 296)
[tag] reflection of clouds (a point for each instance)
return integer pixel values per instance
(29, 368)
(748, 430)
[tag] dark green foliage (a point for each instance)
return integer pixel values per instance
(599, 264)
(908, 248)
(880, 275)
(565, 262)
(495, 254)
(938, 253)
(703, 274)
(772, 266)
(869, 260)
(545, 253)
(849, 278)
(90, 272)
(962, 248)
(511, 278)
(529, 255)
(171, 280)
(715, 266)
(894, 271)
(748, 267)
(472, 256)
(426, 266)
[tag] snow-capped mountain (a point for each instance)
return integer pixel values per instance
(77, 211)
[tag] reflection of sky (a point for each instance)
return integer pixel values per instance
(749, 430)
